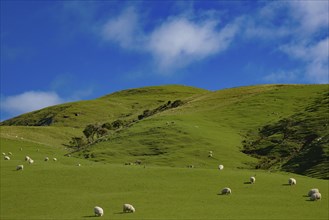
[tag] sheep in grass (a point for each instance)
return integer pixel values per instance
(55, 159)
(210, 154)
(4, 154)
(128, 208)
(252, 180)
(292, 181)
(10, 153)
(20, 167)
(98, 211)
(46, 158)
(226, 191)
(7, 158)
(312, 191)
(27, 158)
(220, 167)
(31, 161)
(315, 196)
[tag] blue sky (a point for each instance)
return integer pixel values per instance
(60, 51)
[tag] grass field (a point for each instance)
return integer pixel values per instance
(63, 190)
(162, 187)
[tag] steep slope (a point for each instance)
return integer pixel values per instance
(299, 143)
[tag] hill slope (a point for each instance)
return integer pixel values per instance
(125, 105)
(220, 121)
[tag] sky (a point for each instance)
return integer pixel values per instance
(54, 52)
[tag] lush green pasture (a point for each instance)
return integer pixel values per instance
(63, 190)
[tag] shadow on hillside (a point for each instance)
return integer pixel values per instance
(117, 213)
(247, 182)
(90, 216)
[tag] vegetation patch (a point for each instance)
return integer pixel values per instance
(298, 143)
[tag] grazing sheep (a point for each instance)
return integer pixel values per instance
(312, 191)
(226, 191)
(21, 149)
(55, 159)
(10, 153)
(252, 179)
(98, 211)
(27, 158)
(31, 161)
(7, 158)
(315, 196)
(190, 166)
(4, 154)
(79, 165)
(220, 167)
(128, 208)
(46, 158)
(210, 154)
(292, 181)
(20, 167)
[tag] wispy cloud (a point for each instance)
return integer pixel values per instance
(299, 29)
(29, 101)
(173, 43)
(124, 29)
(282, 76)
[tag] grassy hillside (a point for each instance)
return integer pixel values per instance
(219, 121)
(215, 121)
(299, 143)
(124, 105)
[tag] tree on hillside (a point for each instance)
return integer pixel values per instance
(93, 130)
(77, 142)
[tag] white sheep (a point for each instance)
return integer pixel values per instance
(46, 158)
(226, 191)
(252, 179)
(210, 154)
(10, 153)
(55, 159)
(31, 161)
(220, 167)
(4, 154)
(20, 167)
(79, 165)
(7, 158)
(315, 196)
(98, 211)
(27, 158)
(292, 181)
(128, 208)
(21, 149)
(312, 191)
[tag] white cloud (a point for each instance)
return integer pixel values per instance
(300, 30)
(124, 29)
(311, 15)
(315, 57)
(29, 101)
(180, 41)
(173, 43)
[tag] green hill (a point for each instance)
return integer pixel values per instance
(221, 121)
